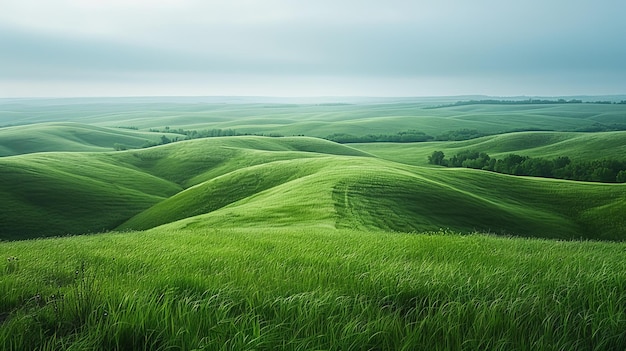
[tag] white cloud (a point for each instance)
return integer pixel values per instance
(306, 42)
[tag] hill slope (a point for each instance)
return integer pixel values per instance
(74, 193)
(67, 136)
(269, 182)
(577, 146)
(376, 195)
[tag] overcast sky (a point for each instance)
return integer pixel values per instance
(312, 48)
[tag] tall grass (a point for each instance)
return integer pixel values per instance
(311, 288)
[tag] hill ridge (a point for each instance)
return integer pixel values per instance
(203, 182)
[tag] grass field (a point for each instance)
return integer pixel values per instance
(311, 289)
(358, 117)
(299, 243)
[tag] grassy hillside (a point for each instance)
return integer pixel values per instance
(578, 146)
(191, 162)
(72, 193)
(302, 289)
(257, 181)
(376, 195)
(224, 190)
(70, 137)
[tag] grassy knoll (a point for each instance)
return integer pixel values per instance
(374, 195)
(311, 288)
(191, 162)
(577, 146)
(224, 190)
(260, 181)
(70, 137)
(74, 193)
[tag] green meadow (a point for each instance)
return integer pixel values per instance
(311, 288)
(295, 242)
(578, 146)
(290, 117)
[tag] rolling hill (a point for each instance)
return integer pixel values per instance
(299, 243)
(68, 136)
(270, 182)
(370, 194)
(47, 194)
(577, 146)
(293, 117)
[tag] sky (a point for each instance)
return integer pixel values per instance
(64, 48)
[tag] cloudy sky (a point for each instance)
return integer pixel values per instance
(311, 48)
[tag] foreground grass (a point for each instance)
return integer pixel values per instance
(311, 288)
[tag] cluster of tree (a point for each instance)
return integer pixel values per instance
(409, 136)
(197, 134)
(148, 143)
(512, 102)
(162, 141)
(601, 102)
(528, 102)
(208, 133)
(600, 127)
(461, 134)
(188, 135)
(607, 171)
(120, 147)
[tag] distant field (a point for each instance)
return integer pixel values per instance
(577, 146)
(314, 119)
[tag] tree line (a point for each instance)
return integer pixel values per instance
(188, 135)
(410, 136)
(197, 134)
(605, 170)
(527, 102)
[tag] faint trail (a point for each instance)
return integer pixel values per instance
(345, 213)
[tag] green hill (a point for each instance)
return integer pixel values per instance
(376, 195)
(577, 146)
(191, 162)
(72, 193)
(46, 137)
(298, 181)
